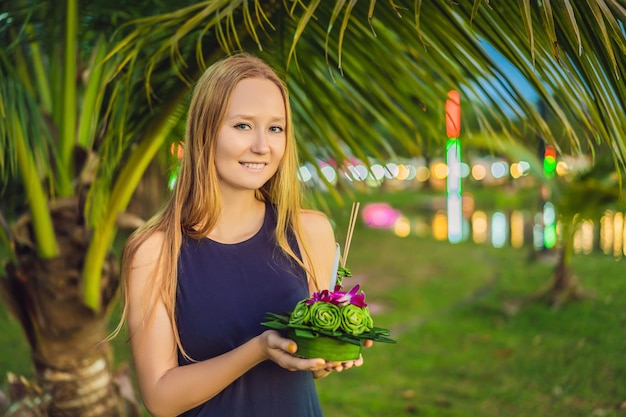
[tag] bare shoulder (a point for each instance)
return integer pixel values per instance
(143, 263)
(320, 239)
(141, 275)
(148, 251)
(316, 225)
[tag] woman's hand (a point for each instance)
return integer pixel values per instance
(337, 367)
(281, 351)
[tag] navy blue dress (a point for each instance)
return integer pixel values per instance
(224, 290)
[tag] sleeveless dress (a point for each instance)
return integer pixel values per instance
(224, 291)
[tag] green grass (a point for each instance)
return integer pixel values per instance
(467, 344)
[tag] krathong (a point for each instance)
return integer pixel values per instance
(332, 325)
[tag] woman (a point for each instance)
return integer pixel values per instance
(231, 244)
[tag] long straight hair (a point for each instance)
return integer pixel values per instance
(194, 205)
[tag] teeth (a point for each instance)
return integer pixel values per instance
(253, 166)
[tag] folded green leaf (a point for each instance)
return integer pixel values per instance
(281, 322)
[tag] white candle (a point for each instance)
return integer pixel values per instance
(333, 277)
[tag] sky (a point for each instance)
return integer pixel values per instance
(514, 75)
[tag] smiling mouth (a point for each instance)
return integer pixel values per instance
(253, 165)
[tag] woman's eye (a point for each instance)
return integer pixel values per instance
(276, 129)
(242, 126)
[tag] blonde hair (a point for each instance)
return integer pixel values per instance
(193, 208)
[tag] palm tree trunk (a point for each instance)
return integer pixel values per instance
(85, 388)
(565, 285)
(563, 282)
(72, 363)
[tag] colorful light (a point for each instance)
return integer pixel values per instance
(453, 160)
(453, 114)
(380, 215)
(549, 161)
(549, 226)
(177, 149)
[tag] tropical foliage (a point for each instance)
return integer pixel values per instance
(89, 95)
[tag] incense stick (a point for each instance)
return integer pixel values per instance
(351, 224)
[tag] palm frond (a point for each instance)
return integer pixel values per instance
(443, 42)
(367, 78)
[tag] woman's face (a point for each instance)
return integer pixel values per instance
(251, 141)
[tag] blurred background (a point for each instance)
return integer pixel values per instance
(484, 142)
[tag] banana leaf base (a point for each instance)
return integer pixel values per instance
(328, 348)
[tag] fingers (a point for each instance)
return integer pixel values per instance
(274, 340)
(340, 366)
(321, 374)
(294, 363)
(281, 350)
(359, 361)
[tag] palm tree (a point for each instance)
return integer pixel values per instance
(82, 117)
(58, 129)
(583, 196)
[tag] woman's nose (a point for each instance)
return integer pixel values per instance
(261, 143)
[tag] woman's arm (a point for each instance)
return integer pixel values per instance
(319, 238)
(168, 389)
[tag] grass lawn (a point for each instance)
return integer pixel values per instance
(469, 341)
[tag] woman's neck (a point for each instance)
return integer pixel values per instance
(238, 221)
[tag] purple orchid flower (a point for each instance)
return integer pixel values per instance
(353, 297)
(319, 297)
(338, 297)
